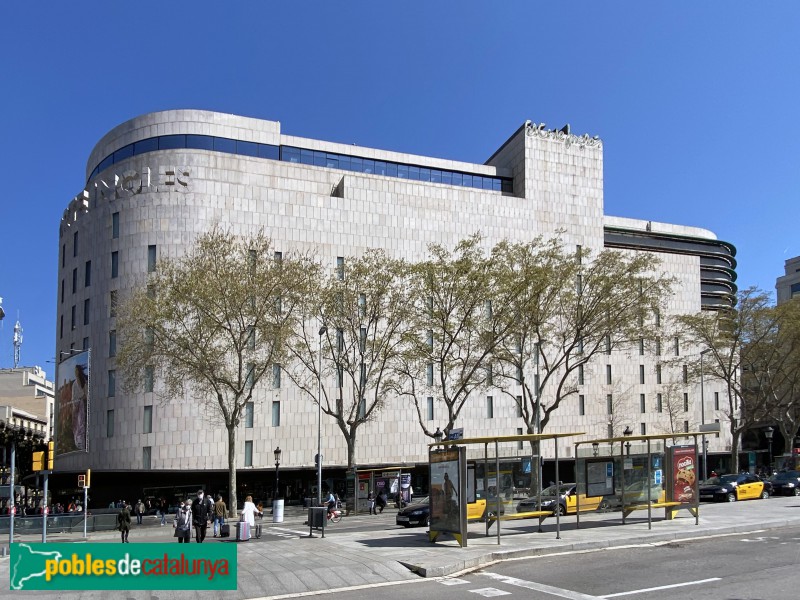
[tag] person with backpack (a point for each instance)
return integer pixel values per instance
(124, 523)
(183, 522)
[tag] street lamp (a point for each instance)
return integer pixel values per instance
(627, 432)
(595, 448)
(438, 435)
(277, 466)
(703, 415)
(322, 331)
(768, 431)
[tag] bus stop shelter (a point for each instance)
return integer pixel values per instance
(495, 441)
(669, 474)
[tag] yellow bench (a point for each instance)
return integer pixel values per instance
(534, 514)
(670, 508)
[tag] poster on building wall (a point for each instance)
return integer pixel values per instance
(72, 404)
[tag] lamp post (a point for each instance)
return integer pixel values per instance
(703, 415)
(627, 432)
(277, 453)
(322, 331)
(768, 431)
(595, 448)
(438, 435)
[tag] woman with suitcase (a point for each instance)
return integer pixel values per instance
(247, 520)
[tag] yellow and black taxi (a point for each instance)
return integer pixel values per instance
(733, 487)
(564, 499)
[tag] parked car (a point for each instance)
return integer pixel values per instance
(417, 514)
(733, 487)
(564, 499)
(484, 505)
(786, 483)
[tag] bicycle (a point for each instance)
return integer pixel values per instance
(335, 515)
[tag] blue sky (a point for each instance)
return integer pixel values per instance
(696, 102)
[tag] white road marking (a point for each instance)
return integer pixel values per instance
(490, 592)
(661, 587)
(452, 581)
(539, 587)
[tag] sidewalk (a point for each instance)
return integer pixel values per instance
(286, 562)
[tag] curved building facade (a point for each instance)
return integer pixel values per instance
(157, 181)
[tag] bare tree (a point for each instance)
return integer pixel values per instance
(212, 324)
(364, 310)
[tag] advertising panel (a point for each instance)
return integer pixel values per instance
(683, 473)
(72, 404)
(446, 503)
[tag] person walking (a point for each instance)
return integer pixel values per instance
(202, 511)
(162, 510)
(139, 510)
(220, 509)
(183, 522)
(124, 523)
(371, 503)
(380, 501)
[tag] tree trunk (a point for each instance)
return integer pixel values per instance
(734, 450)
(232, 501)
(351, 450)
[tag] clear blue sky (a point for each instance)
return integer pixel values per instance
(697, 103)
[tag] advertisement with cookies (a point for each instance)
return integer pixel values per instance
(683, 472)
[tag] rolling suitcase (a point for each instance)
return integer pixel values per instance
(242, 531)
(224, 530)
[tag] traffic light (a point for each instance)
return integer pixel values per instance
(39, 460)
(51, 453)
(81, 480)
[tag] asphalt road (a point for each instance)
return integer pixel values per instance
(756, 565)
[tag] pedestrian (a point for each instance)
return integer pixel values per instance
(139, 511)
(202, 511)
(183, 522)
(380, 501)
(410, 494)
(371, 503)
(124, 523)
(163, 507)
(220, 509)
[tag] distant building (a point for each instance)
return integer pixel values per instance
(788, 286)
(26, 399)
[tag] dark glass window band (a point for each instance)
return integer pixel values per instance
(304, 156)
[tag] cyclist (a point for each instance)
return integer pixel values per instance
(331, 500)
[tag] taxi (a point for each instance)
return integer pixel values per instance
(483, 506)
(733, 487)
(564, 499)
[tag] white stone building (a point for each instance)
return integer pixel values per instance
(788, 285)
(157, 181)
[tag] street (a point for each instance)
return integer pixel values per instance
(761, 565)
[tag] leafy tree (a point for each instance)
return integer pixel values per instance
(364, 312)
(212, 324)
(784, 373)
(737, 340)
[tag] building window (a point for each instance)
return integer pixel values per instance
(251, 338)
(75, 244)
(641, 346)
(112, 342)
(429, 402)
(85, 344)
(152, 256)
(114, 265)
(249, 378)
(489, 407)
(148, 419)
(362, 405)
(429, 373)
(643, 428)
(112, 304)
(362, 340)
(278, 256)
(74, 280)
(608, 344)
(658, 373)
(63, 255)
(61, 327)
(489, 375)
(73, 313)
(685, 402)
(610, 404)
(249, 407)
(686, 426)
(685, 374)
(520, 444)
(248, 453)
(677, 346)
(659, 403)
(87, 274)
(62, 291)
(112, 383)
(519, 373)
(149, 378)
(429, 339)
(115, 225)
(147, 457)
(641, 374)
(658, 318)
(519, 406)
(580, 374)
(276, 413)
(716, 400)
(340, 268)
(276, 376)
(658, 346)
(110, 423)
(340, 340)
(717, 422)
(581, 405)
(86, 311)
(610, 432)
(608, 374)
(642, 403)
(487, 310)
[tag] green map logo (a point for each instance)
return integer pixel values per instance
(112, 567)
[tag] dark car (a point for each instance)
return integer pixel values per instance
(733, 487)
(786, 483)
(417, 514)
